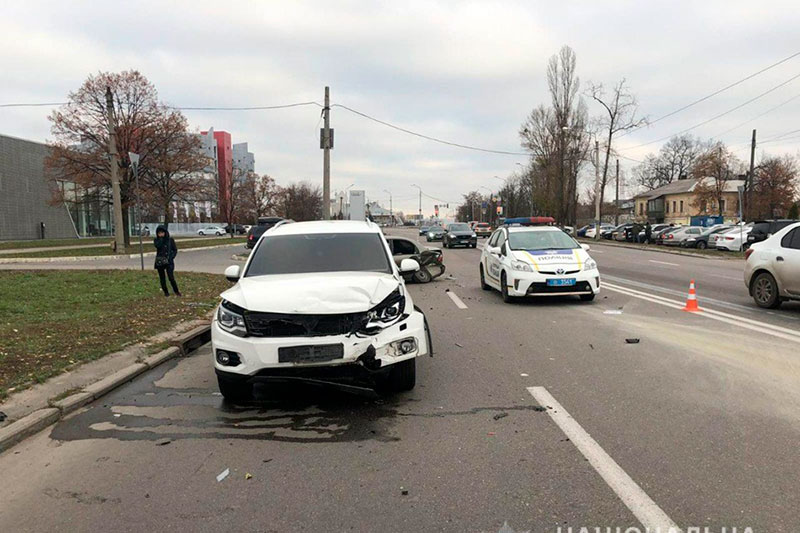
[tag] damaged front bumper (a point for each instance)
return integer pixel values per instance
(260, 359)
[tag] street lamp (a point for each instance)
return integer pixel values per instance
(391, 210)
(420, 202)
(134, 158)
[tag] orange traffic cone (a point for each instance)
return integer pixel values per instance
(691, 300)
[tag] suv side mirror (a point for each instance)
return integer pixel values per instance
(503, 249)
(232, 273)
(494, 250)
(586, 247)
(408, 265)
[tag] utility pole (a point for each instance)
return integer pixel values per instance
(750, 178)
(596, 191)
(326, 156)
(391, 209)
(616, 197)
(119, 229)
(134, 159)
(420, 202)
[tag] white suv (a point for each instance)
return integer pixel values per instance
(319, 301)
(772, 269)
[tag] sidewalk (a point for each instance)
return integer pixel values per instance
(134, 241)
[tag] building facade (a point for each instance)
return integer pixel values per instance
(26, 196)
(679, 201)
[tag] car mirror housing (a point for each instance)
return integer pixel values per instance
(586, 247)
(494, 250)
(408, 265)
(232, 273)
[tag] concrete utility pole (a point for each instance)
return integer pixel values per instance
(391, 209)
(134, 159)
(326, 156)
(750, 177)
(596, 190)
(616, 197)
(119, 229)
(420, 202)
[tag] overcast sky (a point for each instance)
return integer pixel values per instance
(467, 72)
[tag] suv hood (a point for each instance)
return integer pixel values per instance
(316, 293)
(462, 232)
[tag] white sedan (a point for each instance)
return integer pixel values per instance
(732, 239)
(538, 261)
(772, 269)
(211, 230)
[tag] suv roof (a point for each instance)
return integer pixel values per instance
(326, 226)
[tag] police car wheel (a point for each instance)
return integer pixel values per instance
(484, 286)
(504, 289)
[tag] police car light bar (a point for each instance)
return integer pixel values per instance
(530, 221)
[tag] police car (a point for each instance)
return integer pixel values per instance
(524, 258)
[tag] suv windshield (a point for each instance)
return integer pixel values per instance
(319, 252)
(540, 240)
(459, 227)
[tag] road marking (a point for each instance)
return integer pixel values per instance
(664, 263)
(456, 300)
(641, 505)
(726, 277)
(746, 323)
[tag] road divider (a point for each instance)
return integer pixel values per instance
(652, 517)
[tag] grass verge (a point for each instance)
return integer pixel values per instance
(53, 320)
(46, 243)
(134, 248)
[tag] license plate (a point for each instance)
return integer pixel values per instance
(310, 354)
(561, 282)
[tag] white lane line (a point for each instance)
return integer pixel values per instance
(725, 277)
(456, 300)
(663, 263)
(739, 321)
(652, 517)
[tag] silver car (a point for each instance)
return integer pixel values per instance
(772, 268)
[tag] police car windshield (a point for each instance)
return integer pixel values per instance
(540, 240)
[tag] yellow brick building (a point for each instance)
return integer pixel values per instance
(678, 202)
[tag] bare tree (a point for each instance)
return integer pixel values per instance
(774, 187)
(675, 160)
(265, 195)
(620, 115)
(301, 201)
(713, 169)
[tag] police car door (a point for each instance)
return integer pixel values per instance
(492, 266)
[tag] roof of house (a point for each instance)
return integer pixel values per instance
(687, 186)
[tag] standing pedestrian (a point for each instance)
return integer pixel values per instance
(648, 232)
(166, 250)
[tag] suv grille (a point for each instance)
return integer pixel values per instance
(280, 325)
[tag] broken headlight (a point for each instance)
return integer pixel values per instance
(389, 310)
(230, 317)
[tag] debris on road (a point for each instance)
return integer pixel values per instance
(459, 345)
(591, 346)
(491, 433)
(524, 375)
(539, 408)
(267, 460)
(612, 312)
(3, 416)
(498, 416)
(222, 475)
(403, 491)
(632, 341)
(248, 475)
(163, 442)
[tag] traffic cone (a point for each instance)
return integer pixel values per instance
(691, 300)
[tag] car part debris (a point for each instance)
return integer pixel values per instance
(459, 345)
(498, 416)
(222, 475)
(632, 341)
(248, 475)
(524, 375)
(3, 416)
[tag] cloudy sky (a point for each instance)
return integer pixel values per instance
(467, 72)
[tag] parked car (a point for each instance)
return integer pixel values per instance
(145, 231)
(322, 302)
(763, 229)
(459, 234)
(654, 230)
(435, 233)
(482, 229)
(608, 233)
(211, 230)
(431, 260)
(620, 233)
(237, 229)
(659, 238)
(264, 223)
(772, 268)
(424, 229)
(590, 232)
(679, 236)
(733, 239)
(701, 241)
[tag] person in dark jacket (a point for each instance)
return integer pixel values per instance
(166, 250)
(648, 233)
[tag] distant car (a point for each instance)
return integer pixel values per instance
(678, 237)
(620, 233)
(654, 230)
(590, 231)
(424, 229)
(732, 240)
(237, 229)
(482, 229)
(212, 230)
(772, 268)
(763, 229)
(608, 232)
(659, 238)
(460, 234)
(255, 233)
(435, 233)
(701, 241)
(145, 231)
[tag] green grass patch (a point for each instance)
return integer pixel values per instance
(147, 246)
(47, 243)
(53, 320)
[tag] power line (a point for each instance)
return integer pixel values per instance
(40, 104)
(428, 137)
(182, 108)
(756, 117)
(715, 93)
(720, 115)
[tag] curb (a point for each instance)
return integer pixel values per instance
(658, 249)
(40, 419)
(12, 260)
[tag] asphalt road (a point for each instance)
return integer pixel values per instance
(696, 424)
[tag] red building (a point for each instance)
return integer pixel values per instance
(224, 157)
